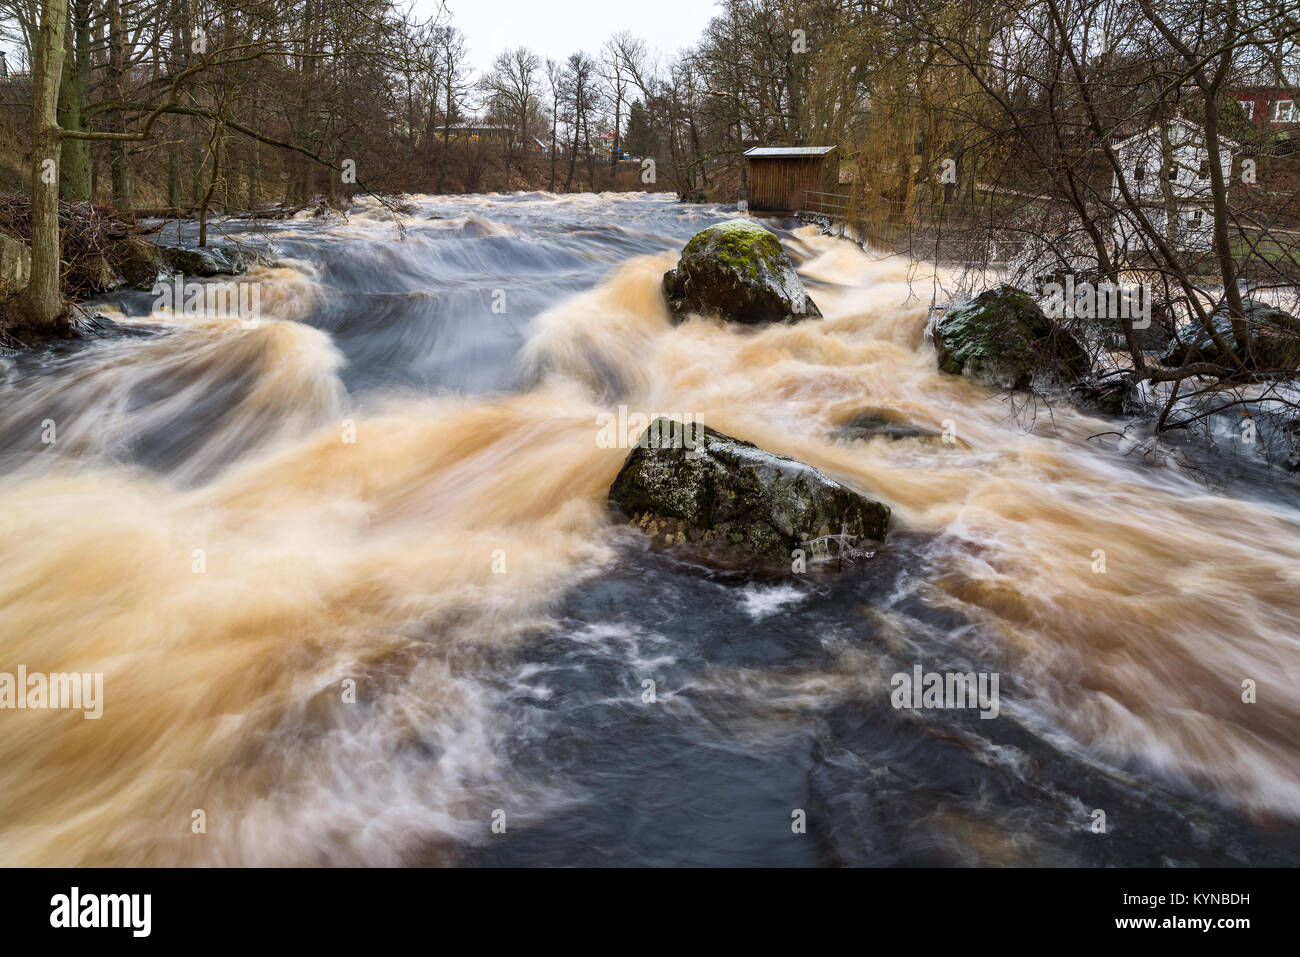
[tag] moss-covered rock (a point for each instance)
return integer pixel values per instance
(737, 270)
(15, 264)
(731, 492)
(1274, 339)
(94, 273)
(141, 262)
(1003, 340)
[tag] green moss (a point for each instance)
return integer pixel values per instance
(1002, 339)
(737, 270)
(734, 492)
(740, 245)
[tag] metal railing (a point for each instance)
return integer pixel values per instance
(817, 203)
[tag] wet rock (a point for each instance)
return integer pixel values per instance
(1003, 340)
(1151, 333)
(1114, 397)
(871, 424)
(15, 264)
(204, 261)
(1274, 339)
(738, 271)
(141, 263)
(714, 488)
(94, 273)
(1100, 307)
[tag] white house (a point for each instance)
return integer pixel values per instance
(1167, 170)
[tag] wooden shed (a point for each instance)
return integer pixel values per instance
(779, 175)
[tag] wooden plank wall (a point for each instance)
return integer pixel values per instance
(777, 184)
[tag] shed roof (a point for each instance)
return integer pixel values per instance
(778, 152)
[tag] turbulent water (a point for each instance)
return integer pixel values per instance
(393, 483)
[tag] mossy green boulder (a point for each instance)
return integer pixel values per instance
(714, 488)
(1274, 339)
(738, 271)
(1003, 340)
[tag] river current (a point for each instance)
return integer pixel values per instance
(357, 596)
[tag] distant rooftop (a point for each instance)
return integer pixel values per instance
(775, 151)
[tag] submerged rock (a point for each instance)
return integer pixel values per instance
(737, 270)
(871, 424)
(1150, 334)
(1274, 339)
(714, 488)
(1100, 306)
(1003, 340)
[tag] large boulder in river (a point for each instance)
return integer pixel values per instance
(204, 261)
(704, 486)
(1274, 339)
(1003, 340)
(737, 270)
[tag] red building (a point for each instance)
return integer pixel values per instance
(1268, 107)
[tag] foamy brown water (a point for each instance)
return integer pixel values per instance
(326, 559)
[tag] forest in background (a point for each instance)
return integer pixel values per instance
(248, 102)
(964, 129)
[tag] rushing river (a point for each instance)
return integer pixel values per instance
(390, 489)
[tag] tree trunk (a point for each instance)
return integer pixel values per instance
(430, 138)
(98, 150)
(119, 152)
(254, 174)
(591, 154)
(40, 308)
(573, 157)
(74, 164)
(1222, 244)
(551, 188)
(215, 145)
(446, 127)
(618, 121)
(174, 165)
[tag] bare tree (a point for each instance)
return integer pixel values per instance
(513, 90)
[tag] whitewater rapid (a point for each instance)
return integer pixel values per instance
(389, 486)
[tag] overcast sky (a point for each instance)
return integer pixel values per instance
(556, 28)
